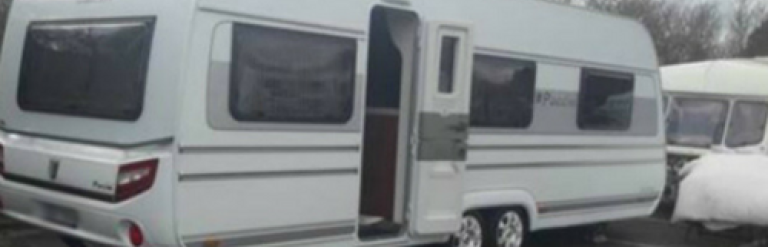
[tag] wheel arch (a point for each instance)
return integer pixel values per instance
(480, 200)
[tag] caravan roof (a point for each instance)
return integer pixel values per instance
(501, 26)
(743, 77)
(519, 26)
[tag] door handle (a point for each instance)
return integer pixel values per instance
(462, 127)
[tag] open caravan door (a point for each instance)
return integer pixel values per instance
(442, 130)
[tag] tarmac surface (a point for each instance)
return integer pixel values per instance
(650, 232)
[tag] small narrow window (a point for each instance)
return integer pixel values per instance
(503, 92)
(747, 125)
(605, 100)
(285, 76)
(448, 51)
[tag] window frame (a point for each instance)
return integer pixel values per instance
(515, 60)
(218, 81)
(591, 72)
(456, 55)
(233, 83)
(149, 21)
(727, 104)
(732, 111)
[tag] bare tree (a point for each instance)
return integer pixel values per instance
(699, 30)
(747, 16)
(757, 44)
(682, 32)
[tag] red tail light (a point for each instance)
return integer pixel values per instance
(135, 235)
(135, 178)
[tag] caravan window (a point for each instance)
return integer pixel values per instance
(502, 92)
(605, 100)
(96, 69)
(696, 122)
(747, 126)
(448, 49)
(285, 76)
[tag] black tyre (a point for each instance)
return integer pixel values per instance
(507, 228)
(471, 233)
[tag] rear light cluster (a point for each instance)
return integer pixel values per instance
(135, 178)
(135, 235)
(132, 178)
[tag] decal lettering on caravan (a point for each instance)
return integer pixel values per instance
(554, 98)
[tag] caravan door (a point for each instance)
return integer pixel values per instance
(441, 129)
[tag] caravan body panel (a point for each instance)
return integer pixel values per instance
(262, 169)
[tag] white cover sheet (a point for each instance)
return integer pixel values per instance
(724, 190)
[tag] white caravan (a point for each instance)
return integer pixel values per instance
(325, 123)
(715, 105)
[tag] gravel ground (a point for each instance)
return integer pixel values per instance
(28, 238)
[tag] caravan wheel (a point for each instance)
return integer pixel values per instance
(509, 229)
(471, 232)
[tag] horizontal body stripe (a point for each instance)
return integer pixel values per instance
(591, 203)
(346, 31)
(156, 141)
(353, 148)
(277, 235)
(544, 164)
(60, 188)
(488, 50)
(563, 147)
(267, 149)
(268, 174)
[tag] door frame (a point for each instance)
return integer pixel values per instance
(443, 163)
(408, 113)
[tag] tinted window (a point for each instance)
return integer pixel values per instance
(448, 63)
(502, 92)
(284, 76)
(696, 122)
(96, 70)
(747, 126)
(605, 100)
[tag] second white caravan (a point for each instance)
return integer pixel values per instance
(713, 106)
(716, 105)
(325, 123)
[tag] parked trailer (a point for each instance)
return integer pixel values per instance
(332, 123)
(714, 105)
